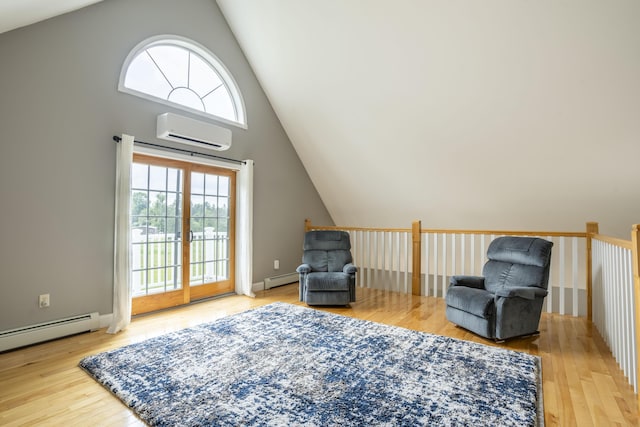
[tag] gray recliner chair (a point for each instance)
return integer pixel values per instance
(327, 275)
(507, 300)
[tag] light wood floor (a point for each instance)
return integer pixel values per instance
(42, 385)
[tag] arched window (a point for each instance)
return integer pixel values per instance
(180, 72)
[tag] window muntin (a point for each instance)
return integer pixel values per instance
(181, 73)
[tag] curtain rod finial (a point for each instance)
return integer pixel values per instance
(116, 138)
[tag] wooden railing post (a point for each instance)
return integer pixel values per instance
(307, 225)
(635, 257)
(416, 256)
(592, 228)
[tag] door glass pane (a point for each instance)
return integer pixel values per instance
(224, 186)
(156, 220)
(197, 183)
(157, 178)
(210, 244)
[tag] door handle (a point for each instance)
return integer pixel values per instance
(190, 236)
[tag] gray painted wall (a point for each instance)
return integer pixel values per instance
(59, 108)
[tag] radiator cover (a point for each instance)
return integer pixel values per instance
(283, 279)
(46, 331)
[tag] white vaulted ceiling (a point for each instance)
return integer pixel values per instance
(465, 114)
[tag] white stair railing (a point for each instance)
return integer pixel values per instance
(384, 257)
(613, 301)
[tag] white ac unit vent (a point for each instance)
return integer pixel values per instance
(173, 127)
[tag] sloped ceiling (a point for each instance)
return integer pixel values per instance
(18, 13)
(464, 114)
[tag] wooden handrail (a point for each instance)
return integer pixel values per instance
(309, 226)
(336, 227)
(507, 232)
(626, 244)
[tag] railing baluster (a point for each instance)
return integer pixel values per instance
(463, 258)
(387, 260)
(626, 319)
(574, 275)
(472, 255)
(609, 292)
(424, 252)
(392, 261)
(382, 249)
(355, 248)
(454, 253)
(436, 262)
(374, 258)
(617, 327)
(562, 275)
(389, 250)
(368, 256)
(396, 258)
(444, 263)
(605, 293)
(390, 264)
(407, 262)
(633, 362)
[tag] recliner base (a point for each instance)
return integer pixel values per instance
(327, 298)
(502, 340)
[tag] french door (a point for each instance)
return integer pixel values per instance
(182, 225)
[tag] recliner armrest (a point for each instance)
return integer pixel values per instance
(527, 292)
(468, 281)
(349, 269)
(303, 269)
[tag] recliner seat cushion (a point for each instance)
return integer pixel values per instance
(471, 300)
(331, 281)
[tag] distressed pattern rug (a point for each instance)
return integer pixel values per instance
(286, 365)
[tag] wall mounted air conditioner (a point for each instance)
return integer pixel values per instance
(173, 127)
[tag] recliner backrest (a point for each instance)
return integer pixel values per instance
(326, 250)
(516, 262)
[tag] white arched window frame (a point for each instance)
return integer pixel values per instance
(204, 58)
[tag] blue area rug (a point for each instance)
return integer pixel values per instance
(286, 365)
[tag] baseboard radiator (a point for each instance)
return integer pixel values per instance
(283, 279)
(33, 334)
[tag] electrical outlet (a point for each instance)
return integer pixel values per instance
(276, 264)
(43, 300)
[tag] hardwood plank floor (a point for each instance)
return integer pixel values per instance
(582, 384)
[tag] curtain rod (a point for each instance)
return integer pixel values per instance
(191, 153)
